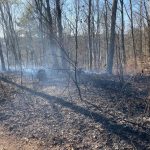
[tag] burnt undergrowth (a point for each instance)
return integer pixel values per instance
(134, 134)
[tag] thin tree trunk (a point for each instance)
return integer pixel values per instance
(76, 46)
(8, 29)
(148, 23)
(141, 34)
(89, 34)
(2, 58)
(106, 28)
(98, 35)
(133, 38)
(120, 60)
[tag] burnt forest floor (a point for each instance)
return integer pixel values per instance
(53, 117)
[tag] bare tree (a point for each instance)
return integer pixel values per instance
(106, 27)
(122, 32)
(132, 32)
(9, 30)
(112, 38)
(2, 58)
(140, 26)
(98, 36)
(60, 33)
(148, 23)
(89, 33)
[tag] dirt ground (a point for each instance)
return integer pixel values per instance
(53, 117)
(11, 142)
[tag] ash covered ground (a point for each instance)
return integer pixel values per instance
(109, 115)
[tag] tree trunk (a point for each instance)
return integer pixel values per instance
(7, 21)
(106, 28)
(60, 33)
(141, 34)
(98, 36)
(51, 35)
(2, 58)
(112, 38)
(148, 23)
(122, 33)
(133, 38)
(89, 34)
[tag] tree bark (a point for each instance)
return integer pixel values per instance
(89, 34)
(122, 32)
(106, 28)
(141, 33)
(112, 38)
(2, 58)
(148, 23)
(60, 33)
(132, 32)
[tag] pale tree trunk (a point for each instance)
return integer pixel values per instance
(76, 37)
(112, 38)
(119, 59)
(148, 23)
(7, 21)
(76, 46)
(141, 23)
(14, 37)
(93, 38)
(89, 33)
(106, 28)
(145, 40)
(133, 38)
(7, 46)
(98, 40)
(2, 58)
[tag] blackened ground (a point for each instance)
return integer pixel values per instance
(107, 118)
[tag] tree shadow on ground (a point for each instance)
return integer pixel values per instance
(132, 99)
(140, 139)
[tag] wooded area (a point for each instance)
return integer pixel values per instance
(95, 35)
(75, 74)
